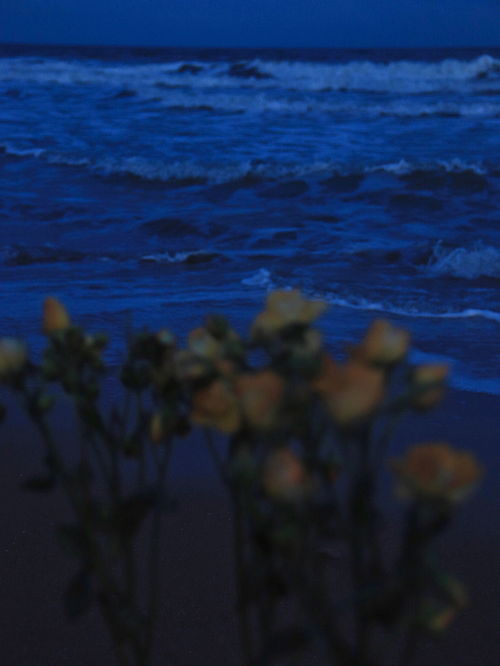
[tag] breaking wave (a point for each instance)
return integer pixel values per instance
(363, 304)
(191, 173)
(470, 263)
(396, 76)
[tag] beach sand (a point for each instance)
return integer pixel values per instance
(197, 624)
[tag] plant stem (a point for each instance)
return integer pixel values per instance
(241, 586)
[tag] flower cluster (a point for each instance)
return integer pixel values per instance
(300, 439)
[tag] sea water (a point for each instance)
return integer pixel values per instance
(147, 187)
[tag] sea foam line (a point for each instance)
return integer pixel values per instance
(396, 76)
(154, 169)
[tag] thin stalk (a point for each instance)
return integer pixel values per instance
(154, 554)
(241, 586)
(216, 457)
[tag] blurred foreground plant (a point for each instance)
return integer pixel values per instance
(113, 471)
(307, 441)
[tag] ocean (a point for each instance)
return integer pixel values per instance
(147, 187)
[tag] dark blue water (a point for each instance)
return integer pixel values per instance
(146, 187)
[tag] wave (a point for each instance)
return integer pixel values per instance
(261, 278)
(251, 171)
(411, 312)
(402, 167)
(8, 149)
(194, 257)
(365, 76)
(21, 256)
(460, 262)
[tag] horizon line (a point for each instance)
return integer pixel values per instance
(247, 47)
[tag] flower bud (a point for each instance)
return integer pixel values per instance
(55, 316)
(428, 384)
(351, 392)
(383, 344)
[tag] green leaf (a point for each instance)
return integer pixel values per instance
(78, 595)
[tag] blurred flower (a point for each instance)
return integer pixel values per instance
(428, 383)
(55, 316)
(285, 308)
(189, 367)
(203, 344)
(435, 470)
(351, 391)
(12, 356)
(383, 344)
(216, 406)
(284, 477)
(260, 396)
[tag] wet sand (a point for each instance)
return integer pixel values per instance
(197, 624)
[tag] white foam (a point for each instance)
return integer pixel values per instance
(9, 149)
(374, 306)
(403, 167)
(261, 278)
(173, 257)
(470, 263)
(396, 76)
(154, 169)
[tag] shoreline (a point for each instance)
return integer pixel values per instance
(197, 616)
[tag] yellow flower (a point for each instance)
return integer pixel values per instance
(285, 308)
(351, 391)
(55, 316)
(12, 356)
(216, 406)
(260, 395)
(435, 470)
(428, 383)
(284, 477)
(383, 344)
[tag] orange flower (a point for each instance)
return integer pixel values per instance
(55, 316)
(216, 406)
(284, 308)
(260, 397)
(428, 382)
(437, 471)
(383, 344)
(12, 356)
(284, 477)
(351, 391)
